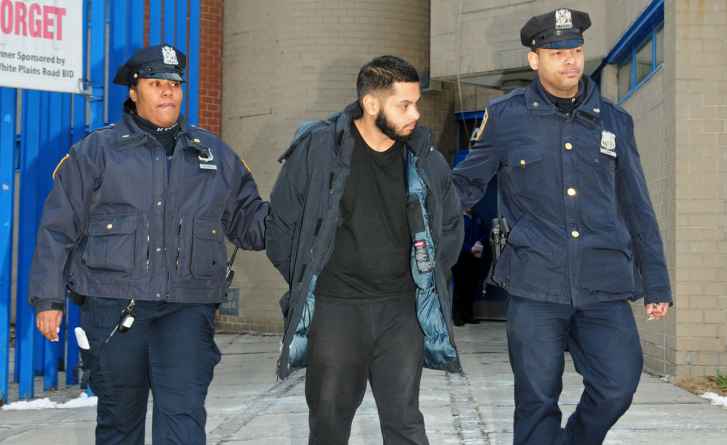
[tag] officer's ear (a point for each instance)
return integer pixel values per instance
(371, 104)
(534, 60)
(132, 93)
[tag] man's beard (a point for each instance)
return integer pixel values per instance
(382, 123)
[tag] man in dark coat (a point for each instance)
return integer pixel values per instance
(365, 227)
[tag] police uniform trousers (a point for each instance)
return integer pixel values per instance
(603, 341)
(169, 350)
(352, 343)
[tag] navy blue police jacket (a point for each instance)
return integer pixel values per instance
(574, 192)
(123, 221)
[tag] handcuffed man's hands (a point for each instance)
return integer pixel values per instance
(656, 311)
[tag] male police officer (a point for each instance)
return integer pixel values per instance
(136, 223)
(584, 236)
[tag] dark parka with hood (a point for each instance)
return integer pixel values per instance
(305, 215)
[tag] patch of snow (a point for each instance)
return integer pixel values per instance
(24, 405)
(81, 402)
(716, 399)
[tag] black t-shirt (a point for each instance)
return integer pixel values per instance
(371, 258)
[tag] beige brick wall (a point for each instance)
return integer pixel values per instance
(619, 15)
(438, 110)
(286, 61)
(681, 121)
(656, 147)
(700, 96)
(483, 36)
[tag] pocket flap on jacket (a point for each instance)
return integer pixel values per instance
(112, 225)
(208, 229)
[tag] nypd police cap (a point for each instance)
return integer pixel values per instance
(154, 62)
(562, 28)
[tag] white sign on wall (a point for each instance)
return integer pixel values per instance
(41, 44)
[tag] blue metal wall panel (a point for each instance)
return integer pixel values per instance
(136, 38)
(180, 23)
(155, 22)
(169, 27)
(194, 63)
(78, 107)
(32, 215)
(119, 52)
(96, 61)
(50, 123)
(181, 40)
(25, 317)
(7, 190)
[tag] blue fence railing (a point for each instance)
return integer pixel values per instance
(36, 130)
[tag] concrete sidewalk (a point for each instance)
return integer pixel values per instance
(246, 405)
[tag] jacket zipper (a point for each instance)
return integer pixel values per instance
(179, 242)
(148, 242)
(147, 252)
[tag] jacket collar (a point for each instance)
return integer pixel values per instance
(588, 111)
(129, 125)
(419, 142)
(130, 130)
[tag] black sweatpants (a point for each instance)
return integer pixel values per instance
(352, 343)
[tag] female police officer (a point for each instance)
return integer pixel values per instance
(136, 223)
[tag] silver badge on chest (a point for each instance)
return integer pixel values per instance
(608, 143)
(206, 157)
(563, 19)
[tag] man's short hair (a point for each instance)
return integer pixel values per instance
(382, 72)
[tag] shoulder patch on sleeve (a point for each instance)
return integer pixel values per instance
(477, 135)
(494, 106)
(60, 164)
(247, 167)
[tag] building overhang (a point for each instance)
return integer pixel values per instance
(510, 79)
(650, 19)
